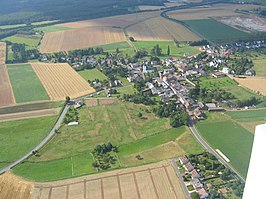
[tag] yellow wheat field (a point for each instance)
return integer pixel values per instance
(60, 80)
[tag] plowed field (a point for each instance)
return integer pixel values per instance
(6, 92)
(151, 181)
(254, 83)
(13, 187)
(80, 38)
(60, 80)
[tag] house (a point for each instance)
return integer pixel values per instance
(210, 105)
(196, 183)
(203, 193)
(198, 114)
(188, 166)
(147, 69)
(226, 70)
(183, 160)
(194, 174)
(218, 74)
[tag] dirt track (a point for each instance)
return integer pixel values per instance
(148, 182)
(29, 114)
(6, 92)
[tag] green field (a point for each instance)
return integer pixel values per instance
(31, 41)
(229, 137)
(118, 123)
(12, 26)
(123, 47)
(214, 30)
(248, 115)
(210, 82)
(129, 90)
(25, 83)
(174, 51)
(47, 29)
(43, 22)
(260, 66)
(93, 74)
(20, 136)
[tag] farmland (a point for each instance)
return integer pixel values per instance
(31, 41)
(141, 182)
(7, 96)
(260, 66)
(80, 38)
(253, 83)
(47, 29)
(214, 30)
(160, 29)
(26, 85)
(229, 137)
(210, 82)
(92, 74)
(19, 137)
(117, 123)
(60, 80)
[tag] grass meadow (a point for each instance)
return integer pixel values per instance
(68, 153)
(92, 74)
(260, 66)
(214, 30)
(29, 41)
(47, 29)
(20, 136)
(25, 83)
(227, 135)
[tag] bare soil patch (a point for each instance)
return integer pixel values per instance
(149, 181)
(6, 92)
(91, 102)
(29, 114)
(60, 80)
(256, 84)
(13, 187)
(106, 101)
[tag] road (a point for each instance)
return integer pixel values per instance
(41, 144)
(210, 150)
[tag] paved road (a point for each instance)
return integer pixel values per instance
(187, 194)
(210, 150)
(41, 144)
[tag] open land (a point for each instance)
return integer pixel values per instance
(149, 181)
(92, 74)
(68, 154)
(60, 80)
(31, 41)
(6, 96)
(256, 84)
(260, 66)
(20, 136)
(47, 29)
(25, 83)
(29, 114)
(225, 134)
(14, 187)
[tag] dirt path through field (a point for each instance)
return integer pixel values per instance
(6, 92)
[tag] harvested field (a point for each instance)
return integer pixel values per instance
(249, 23)
(217, 10)
(29, 114)
(106, 101)
(6, 95)
(160, 29)
(91, 102)
(151, 7)
(60, 80)
(80, 38)
(256, 84)
(100, 101)
(13, 187)
(150, 181)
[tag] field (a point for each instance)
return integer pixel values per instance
(26, 85)
(60, 80)
(11, 26)
(92, 75)
(150, 181)
(210, 82)
(160, 29)
(260, 66)
(214, 30)
(29, 114)
(174, 51)
(227, 135)
(7, 96)
(68, 153)
(80, 38)
(47, 29)
(256, 84)
(31, 41)
(217, 10)
(19, 137)
(13, 187)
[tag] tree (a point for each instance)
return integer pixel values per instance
(156, 50)
(67, 99)
(117, 50)
(168, 50)
(131, 39)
